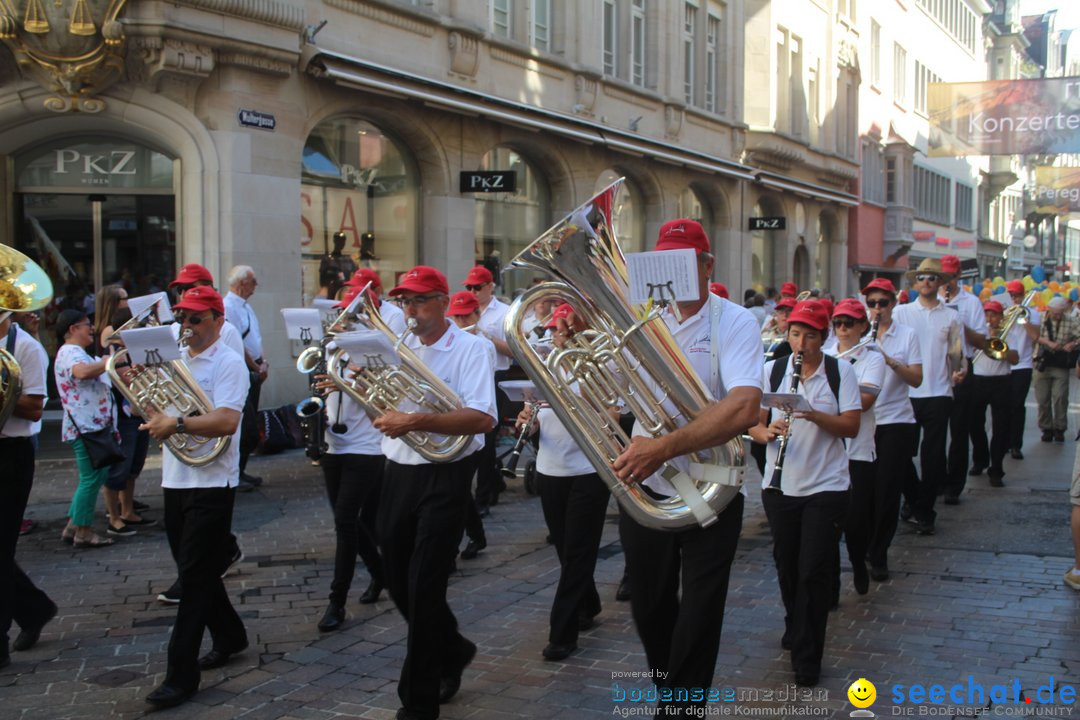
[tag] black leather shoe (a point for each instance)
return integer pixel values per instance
(217, 658)
(167, 696)
(951, 500)
(558, 651)
(906, 513)
(332, 619)
(1048, 436)
(371, 595)
(975, 471)
(1016, 454)
(405, 714)
(806, 679)
(586, 622)
(880, 573)
(622, 593)
(473, 549)
(996, 479)
(1059, 436)
(862, 579)
(251, 479)
(451, 682)
(924, 528)
(28, 636)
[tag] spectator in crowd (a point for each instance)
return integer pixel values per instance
(239, 313)
(1058, 337)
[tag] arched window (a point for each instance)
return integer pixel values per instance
(628, 215)
(802, 267)
(358, 181)
(506, 223)
(690, 206)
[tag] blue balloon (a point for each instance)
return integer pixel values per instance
(1000, 289)
(1074, 295)
(1038, 274)
(912, 295)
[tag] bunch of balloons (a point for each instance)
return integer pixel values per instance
(1036, 280)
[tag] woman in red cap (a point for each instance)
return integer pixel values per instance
(1021, 371)
(807, 510)
(990, 387)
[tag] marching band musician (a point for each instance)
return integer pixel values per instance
(806, 517)
(722, 341)
(199, 501)
(352, 468)
(1021, 371)
(780, 348)
(389, 312)
(20, 600)
(991, 386)
(849, 326)
(574, 500)
(896, 435)
(423, 504)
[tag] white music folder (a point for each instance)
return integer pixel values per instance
(303, 324)
(151, 345)
(368, 348)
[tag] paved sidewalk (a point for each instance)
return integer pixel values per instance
(983, 597)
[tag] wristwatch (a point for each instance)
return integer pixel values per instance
(180, 425)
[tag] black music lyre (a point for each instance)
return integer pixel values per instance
(153, 357)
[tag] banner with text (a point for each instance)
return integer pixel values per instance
(1004, 117)
(1057, 190)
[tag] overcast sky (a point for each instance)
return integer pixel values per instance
(1068, 11)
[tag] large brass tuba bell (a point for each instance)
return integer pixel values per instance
(625, 356)
(24, 287)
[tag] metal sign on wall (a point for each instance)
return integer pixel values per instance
(488, 181)
(768, 223)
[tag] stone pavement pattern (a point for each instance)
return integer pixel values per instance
(984, 596)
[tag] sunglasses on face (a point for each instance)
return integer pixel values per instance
(926, 278)
(883, 303)
(474, 288)
(418, 300)
(844, 322)
(190, 319)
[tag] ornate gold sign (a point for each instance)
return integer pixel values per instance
(72, 47)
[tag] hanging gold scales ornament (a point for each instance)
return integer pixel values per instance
(72, 47)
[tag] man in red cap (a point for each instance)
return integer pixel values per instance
(1021, 371)
(489, 483)
(722, 342)
(971, 313)
(199, 500)
(896, 434)
(390, 312)
(990, 387)
(719, 289)
(423, 504)
(789, 289)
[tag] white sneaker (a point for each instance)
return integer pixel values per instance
(1072, 579)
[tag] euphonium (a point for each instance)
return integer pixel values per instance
(623, 356)
(24, 287)
(166, 388)
(381, 389)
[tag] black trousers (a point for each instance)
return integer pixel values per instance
(681, 634)
(993, 392)
(861, 509)
(960, 434)
(249, 421)
(489, 482)
(896, 444)
(1018, 392)
(574, 510)
(197, 525)
(805, 533)
(352, 486)
(920, 490)
(20, 599)
(420, 524)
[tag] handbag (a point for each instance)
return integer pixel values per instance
(101, 445)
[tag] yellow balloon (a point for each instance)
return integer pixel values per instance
(1046, 296)
(998, 280)
(1029, 283)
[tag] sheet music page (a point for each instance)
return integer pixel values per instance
(665, 275)
(151, 345)
(303, 324)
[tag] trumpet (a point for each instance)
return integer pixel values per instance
(996, 347)
(781, 451)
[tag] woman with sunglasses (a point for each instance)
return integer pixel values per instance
(806, 516)
(85, 396)
(895, 434)
(850, 326)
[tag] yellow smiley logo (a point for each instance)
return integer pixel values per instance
(862, 693)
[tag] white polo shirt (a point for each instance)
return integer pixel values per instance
(223, 376)
(738, 353)
(1018, 340)
(814, 461)
(932, 327)
(491, 324)
(460, 360)
(971, 314)
(393, 316)
(239, 312)
(33, 363)
(559, 454)
(229, 335)
(893, 402)
(360, 436)
(870, 371)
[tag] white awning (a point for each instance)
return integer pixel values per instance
(799, 187)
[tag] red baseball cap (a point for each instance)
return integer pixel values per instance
(463, 303)
(479, 275)
(682, 233)
(191, 274)
(812, 313)
(786, 303)
(883, 284)
(851, 308)
(561, 312)
(789, 288)
(1015, 287)
(422, 278)
(363, 276)
(950, 264)
(350, 294)
(201, 298)
(993, 306)
(719, 289)
(827, 304)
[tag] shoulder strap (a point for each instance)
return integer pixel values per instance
(12, 331)
(716, 307)
(777, 375)
(832, 373)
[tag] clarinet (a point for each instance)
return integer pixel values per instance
(510, 469)
(778, 469)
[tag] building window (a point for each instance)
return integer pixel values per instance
(933, 191)
(783, 86)
(540, 25)
(846, 8)
(899, 74)
(637, 42)
(891, 180)
(501, 19)
(923, 77)
(875, 54)
(873, 175)
(955, 17)
(611, 37)
(625, 39)
(715, 72)
(688, 54)
(964, 195)
(628, 215)
(798, 92)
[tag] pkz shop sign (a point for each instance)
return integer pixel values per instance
(488, 181)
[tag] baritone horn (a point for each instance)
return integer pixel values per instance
(24, 287)
(996, 347)
(625, 356)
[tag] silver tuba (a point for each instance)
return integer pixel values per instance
(626, 355)
(165, 388)
(391, 387)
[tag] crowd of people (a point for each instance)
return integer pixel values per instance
(882, 379)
